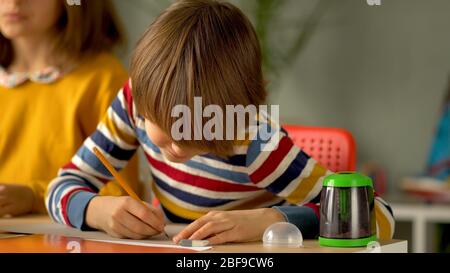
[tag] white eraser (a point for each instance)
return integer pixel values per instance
(194, 243)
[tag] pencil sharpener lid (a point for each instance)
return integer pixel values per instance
(347, 180)
(283, 235)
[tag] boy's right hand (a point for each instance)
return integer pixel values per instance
(124, 217)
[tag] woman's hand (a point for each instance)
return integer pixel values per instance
(232, 226)
(15, 200)
(124, 217)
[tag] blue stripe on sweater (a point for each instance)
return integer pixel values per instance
(91, 159)
(226, 174)
(110, 147)
(236, 160)
(292, 172)
(122, 113)
(265, 133)
(58, 192)
(87, 182)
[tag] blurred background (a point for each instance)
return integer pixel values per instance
(381, 72)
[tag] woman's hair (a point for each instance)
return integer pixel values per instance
(197, 48)
(82, 30)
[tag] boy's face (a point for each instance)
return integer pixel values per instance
(168, 148)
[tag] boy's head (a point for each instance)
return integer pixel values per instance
(196, 48)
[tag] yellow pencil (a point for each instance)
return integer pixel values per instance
(119, 178)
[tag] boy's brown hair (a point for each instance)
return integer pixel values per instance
(83, 30)
(197, 48)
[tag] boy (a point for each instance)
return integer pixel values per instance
(232, 191)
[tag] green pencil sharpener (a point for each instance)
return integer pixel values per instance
(347, 211)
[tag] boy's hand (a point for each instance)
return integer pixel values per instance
(15, 200)
(124, 217)
(232, 226)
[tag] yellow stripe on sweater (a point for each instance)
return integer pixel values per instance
(174, 208)
(384, 232)
(117, 132)
(306, 185)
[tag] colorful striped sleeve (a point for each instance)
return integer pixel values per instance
(80, 180)
(385, 219)
(290, 173)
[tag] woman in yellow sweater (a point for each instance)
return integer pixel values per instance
(57, 77)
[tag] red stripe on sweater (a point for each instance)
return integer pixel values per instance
(273, 161)
(129, 100)
(197, 181)
(72, 166)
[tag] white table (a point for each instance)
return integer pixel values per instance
(420, 214)
(310, 246)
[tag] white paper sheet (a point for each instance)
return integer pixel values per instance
(151, 243)
(57, 229)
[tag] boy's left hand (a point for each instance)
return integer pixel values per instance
(219, 227)
(15, 200)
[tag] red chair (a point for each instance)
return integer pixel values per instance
(332, 147)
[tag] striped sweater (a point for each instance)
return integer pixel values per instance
(286, 179)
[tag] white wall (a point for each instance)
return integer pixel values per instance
(380, 72)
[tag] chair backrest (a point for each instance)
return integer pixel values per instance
(332, 147)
